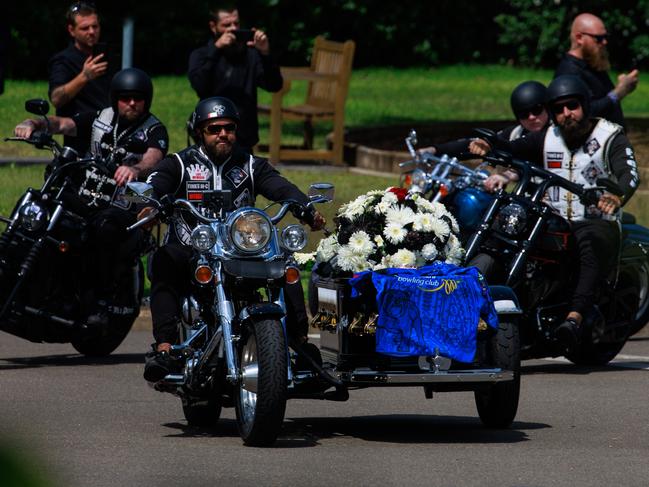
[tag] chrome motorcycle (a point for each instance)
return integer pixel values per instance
(447, 180)
(46, 262)
(233, 346)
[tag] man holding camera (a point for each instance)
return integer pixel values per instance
(233, 64)
(79, 78)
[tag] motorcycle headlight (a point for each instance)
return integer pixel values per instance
(512, 219)
(203, 238)
(419, 181)
(294, 237)
(33, 216)
(250, 231)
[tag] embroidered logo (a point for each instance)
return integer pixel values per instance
(198, 172)
(237, 176)
(243, 199)
(591, 147)
(591, 172)
(554, 159)
(218, 110)
(104, 127)
(162, 143)
(195, 190)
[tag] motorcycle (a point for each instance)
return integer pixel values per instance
(46, 265)
(233, 345)
(447, 180)
(523, 244)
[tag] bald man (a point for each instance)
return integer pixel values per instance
(588, 59)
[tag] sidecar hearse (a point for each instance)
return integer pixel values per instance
(352, 333)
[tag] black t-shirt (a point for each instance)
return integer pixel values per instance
(65, 66)
(598, 83)
(157, 136)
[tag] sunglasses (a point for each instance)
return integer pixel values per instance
(128, 98)
(536, 110)
(599, 38)
(215, 128)
(76, 7)
(571, 105)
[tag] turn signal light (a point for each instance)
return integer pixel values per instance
(64, 246)
(443, 190)
(292, 275)
(203, 274)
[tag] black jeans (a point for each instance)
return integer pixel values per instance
(170, 282)
(598, 244)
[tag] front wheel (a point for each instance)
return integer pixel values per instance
(498, 404)
(261, 396)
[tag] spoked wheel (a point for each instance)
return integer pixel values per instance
(642, 316)
(261, 396)
(498, 404)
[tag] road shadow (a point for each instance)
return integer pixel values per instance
(69, 360)
(227, 428)
(570, 369)
(410, 429)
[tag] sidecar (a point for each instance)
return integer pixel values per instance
(348, 340)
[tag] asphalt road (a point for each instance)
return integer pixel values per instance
(81, 422)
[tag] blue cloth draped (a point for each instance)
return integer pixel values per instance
(434, 307)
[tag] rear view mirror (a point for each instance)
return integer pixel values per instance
(325, 190)
(37, 106)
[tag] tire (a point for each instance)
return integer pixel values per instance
(498, 404)
(642, 316)
(103, 342)
(260, 414)
(204, 413)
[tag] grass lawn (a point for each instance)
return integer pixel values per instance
(377, 96)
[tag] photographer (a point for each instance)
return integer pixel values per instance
(233, 64)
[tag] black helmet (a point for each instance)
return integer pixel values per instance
(569, 85)
(211, 109)
(526, 96)
(131, 80)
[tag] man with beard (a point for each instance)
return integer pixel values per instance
(588, 59)
(131, 93)
(216, 162)
(581, 149)
(79, 79)
(234, 66)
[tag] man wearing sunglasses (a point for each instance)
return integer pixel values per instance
(79, 79)
(583, 150)
(127, 117)
(588, 59)
(215, 162)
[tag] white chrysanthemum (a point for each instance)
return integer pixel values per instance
(382, 207)
(349, 261)
(379, 266)
(439, 228)
(454, 251)
(354, 208)
(429, 252)
(361, 244)
(423, 222)
(454, 226)
(423, 204)
(378, 240)
(399, 216)
(327, 248)
(394, 233)
(390, 198)
(403, 258)
(303, 258)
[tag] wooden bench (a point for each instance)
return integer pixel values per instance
(328, 84)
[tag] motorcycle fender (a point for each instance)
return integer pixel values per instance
(261, 310)
(505, 300)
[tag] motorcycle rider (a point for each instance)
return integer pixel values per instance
(131, 94)
(581, 149)
(215, 162)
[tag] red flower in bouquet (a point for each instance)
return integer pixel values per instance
(400, 193)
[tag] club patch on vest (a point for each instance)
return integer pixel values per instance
(198, 172)
(195, 190)
(591, 172)
(237, 176)
(591, 146)
(98, 124)
(243, 199)
(554, 159)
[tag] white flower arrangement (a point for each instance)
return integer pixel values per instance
(390, 228)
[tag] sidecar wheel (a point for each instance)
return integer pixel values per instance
(261, 396)
(204, 413)
(497, 405)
